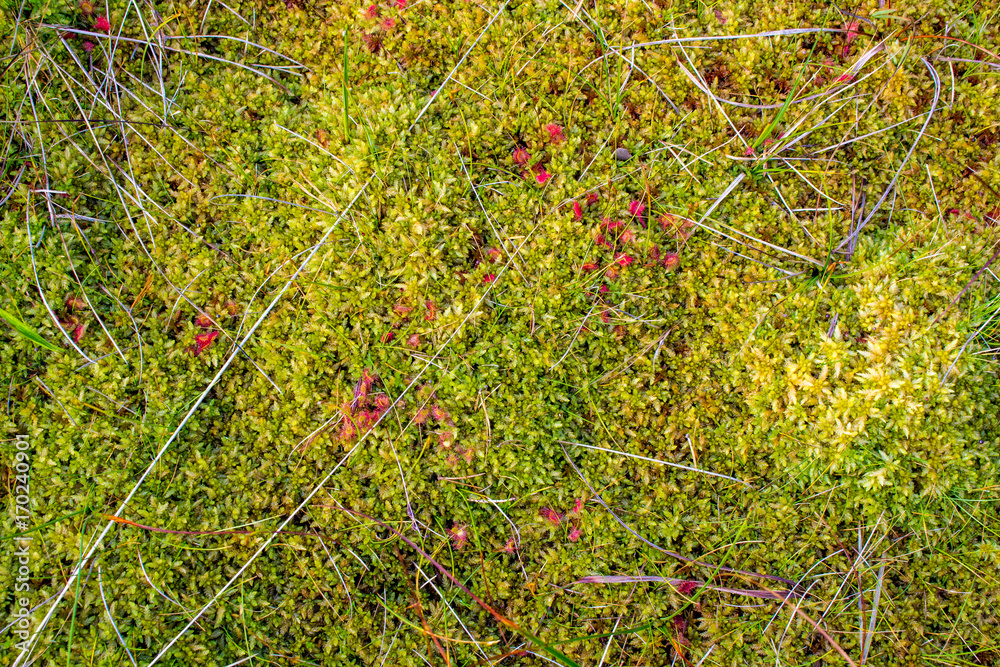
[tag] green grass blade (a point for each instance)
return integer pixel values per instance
(27, 332)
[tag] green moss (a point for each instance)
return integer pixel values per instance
(844, 391)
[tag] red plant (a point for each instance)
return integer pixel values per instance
(388, 335)
(670, 260)
(574, 534)
(492, 255)
(400, 4)
(852, 34)
(577, 506)
(686, 587)
(413, 341)
(347, 431)
(459, 536)
(203, 340)
(446, 438)
(624, 259)
(88, 46)
(636, 208)
(592, 198)
(589, 266)
(78, 332)
(388, 24)
(510, 547)
(577, 210)
(372, 12)
(489, 278)
(431, 310)
(367, 380)
(102, 24)
(555, 133)
(372, 42)
(521, 156)
(364, 418)
(203, 321)
(550, 515)
(542, 177)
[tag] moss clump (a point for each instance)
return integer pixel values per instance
(431, 295)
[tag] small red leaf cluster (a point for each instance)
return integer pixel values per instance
(365, 408)
(206, 337)
(510, 547)
(459, 536)
(556, 518)
(70, 320)
(522, 157)
(555, 133)
(203, 340)
(403, 312)
(379, 28)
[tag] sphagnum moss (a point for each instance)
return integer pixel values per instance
(513, 302)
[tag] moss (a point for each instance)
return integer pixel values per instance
(843, 390)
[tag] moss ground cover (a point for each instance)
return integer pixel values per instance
(349, 334)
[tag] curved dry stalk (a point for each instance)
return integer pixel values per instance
(142, 566)
(38, 284)
(892, 184)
